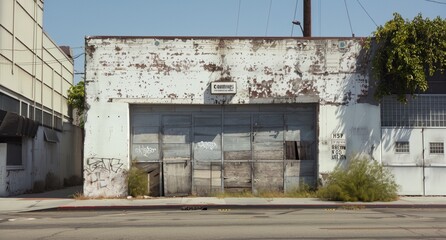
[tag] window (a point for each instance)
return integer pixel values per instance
(47, 119)
(401, 147)
(9, 104)
(436, 148)
(13, 151)
(24, 110)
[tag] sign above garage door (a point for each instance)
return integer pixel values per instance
(223, 88)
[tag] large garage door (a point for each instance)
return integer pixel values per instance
(207, 149)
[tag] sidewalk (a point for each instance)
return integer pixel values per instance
(62, 200)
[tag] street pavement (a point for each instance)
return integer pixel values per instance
(62, 200)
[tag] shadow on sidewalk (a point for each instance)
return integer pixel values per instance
(68, 192)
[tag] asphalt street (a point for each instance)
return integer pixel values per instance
(228, 224)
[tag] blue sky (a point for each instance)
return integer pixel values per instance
(69, 21)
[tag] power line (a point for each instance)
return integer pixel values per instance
(367, 13)
(238, 17)
(269, 13)
(435, 1)
(294, 17)
(348, 15)
(320, 17)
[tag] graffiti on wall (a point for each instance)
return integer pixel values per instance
(103, 164)
(104, 177)
(206, 145)
(143, 150)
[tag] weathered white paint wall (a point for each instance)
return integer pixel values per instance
(360, 123)
(148, 70)
(106, 151)
(180, 70)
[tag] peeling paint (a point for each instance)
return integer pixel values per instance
(262, 68)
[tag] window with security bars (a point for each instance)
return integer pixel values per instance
(401, 147)
(421, 111)
(436, 148)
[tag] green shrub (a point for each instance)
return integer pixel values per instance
(137, 182)
(361, 180)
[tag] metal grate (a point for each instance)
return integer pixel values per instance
(436, 148)
(401, 147)
(421, 111)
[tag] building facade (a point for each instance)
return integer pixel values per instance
(210, 114)
(38, 145)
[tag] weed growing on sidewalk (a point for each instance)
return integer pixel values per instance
(361, 180)
(137, 181)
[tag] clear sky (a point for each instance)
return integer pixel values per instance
(69, 21)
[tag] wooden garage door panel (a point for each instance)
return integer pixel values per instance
(237, 174)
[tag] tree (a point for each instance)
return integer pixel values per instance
(76, 99)
(406, 53)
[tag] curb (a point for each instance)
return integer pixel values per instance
(200, 207)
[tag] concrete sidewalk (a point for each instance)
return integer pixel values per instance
(62, 200)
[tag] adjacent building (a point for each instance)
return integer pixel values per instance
(39, 147)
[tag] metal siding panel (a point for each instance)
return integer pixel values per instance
(176, 151)
(410, 179)
(177, 120)
(268, 176)
(237, 175)
(145, 134)
(268, 134)
(237, 120)
(177, 178)
(145, 152)
(435, 179)
(207, 178)
(237, 155)
(145, 119)
(176, 135)
(207, 120)
(266, 120)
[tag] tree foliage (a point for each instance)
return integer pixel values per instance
(76, 97)
(406, 53)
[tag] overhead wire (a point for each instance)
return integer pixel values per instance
(363, 8)
(320, 17)
(238, 17)
(435, 1)
(294, 17)
(269, 14)
(349, 20)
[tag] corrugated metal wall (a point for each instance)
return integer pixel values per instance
(207, 149)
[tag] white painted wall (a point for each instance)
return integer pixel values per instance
(106, 149)
(361, 125)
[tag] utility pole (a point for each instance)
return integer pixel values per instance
(307, 18)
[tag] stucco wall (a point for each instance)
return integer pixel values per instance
(149, 70)
(40, 157)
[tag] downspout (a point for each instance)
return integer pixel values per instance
(13, 37)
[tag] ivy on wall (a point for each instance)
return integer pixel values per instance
(406, 53)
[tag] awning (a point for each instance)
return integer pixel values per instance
(14, 125)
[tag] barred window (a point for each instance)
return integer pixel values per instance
(436, 148)
(421, 111)
(401, 147)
